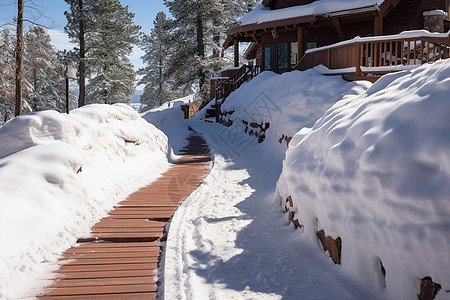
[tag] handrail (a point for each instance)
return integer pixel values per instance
(379, 55)
(243, 74)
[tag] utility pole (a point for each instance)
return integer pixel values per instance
(19, 58)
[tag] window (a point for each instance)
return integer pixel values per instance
(447, 8)
(294, 55)
(269, 57)
(283, 56)
(311, 45)
(280, 57)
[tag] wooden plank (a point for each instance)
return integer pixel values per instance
(111, 250)
(103, 290)
(396, 53)
(108, 274)
(408, 54)
(103, 281)
(403, 50)
(141, 212)
(110, 255)
(125, 235)
(127, 296)
(108, 261)
(140, 204)
(127, 229)
(118, 245)
(111, 267)
(143, 209)
(159, 216)
(114, 223)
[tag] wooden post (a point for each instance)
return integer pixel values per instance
(300, 42)
(378, 25)
(236, 53)
(358, 59)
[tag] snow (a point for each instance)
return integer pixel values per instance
(263, 14)
(59, 174)
(298, 104)
(368, 163)
(374, 170)
(229, 241)
(169, 118)
(325, 71)
(437, 12)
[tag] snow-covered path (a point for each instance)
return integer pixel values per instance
(230, 241)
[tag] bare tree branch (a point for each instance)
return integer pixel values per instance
(37, 24)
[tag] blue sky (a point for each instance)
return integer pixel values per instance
(53, 11)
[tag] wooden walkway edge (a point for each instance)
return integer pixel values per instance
(118, 259)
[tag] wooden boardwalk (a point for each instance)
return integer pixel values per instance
(118, 259)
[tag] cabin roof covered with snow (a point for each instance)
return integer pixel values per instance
(263, 14)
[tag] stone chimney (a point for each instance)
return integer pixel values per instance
(433, 20)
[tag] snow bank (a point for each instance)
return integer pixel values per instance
(263, 14)
(169, 118)
(375, 170)
(59, 174)
(288, 101)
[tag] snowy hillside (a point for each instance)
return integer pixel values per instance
(288, 102)
(375, 171)
(59, 174)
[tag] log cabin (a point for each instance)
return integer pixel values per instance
(358, 39)
(280, 31)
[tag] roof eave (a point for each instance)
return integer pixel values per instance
(266, 3)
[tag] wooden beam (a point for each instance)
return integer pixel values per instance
(378, 25)
(236, 53)
(256, 39)
(300, 42)
(338, 27)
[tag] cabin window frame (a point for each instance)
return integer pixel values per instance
(275, 59)
(272, 47)
(447, 9)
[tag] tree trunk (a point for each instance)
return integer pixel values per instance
(200, 49)
(82, 96)
(161, 67)
(19, 58)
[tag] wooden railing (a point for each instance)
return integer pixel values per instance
(378, 55)
(243, 74)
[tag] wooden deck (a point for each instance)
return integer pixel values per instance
(118, 259)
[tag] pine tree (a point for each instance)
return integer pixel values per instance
(109, 33)
(7, 71)
(79, 23)
(157, 47)
(112, 74)
(199, 36)
(43, 72)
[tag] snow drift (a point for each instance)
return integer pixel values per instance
(59, 174)
(375, 171)
(289, 101)
(169, 118)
